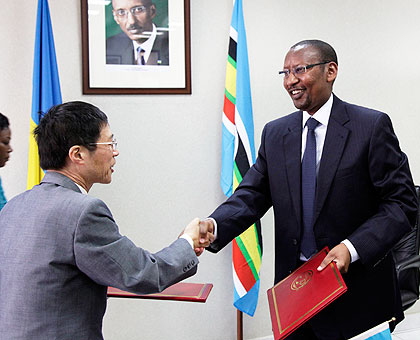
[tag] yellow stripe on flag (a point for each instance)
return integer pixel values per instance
(231, 79)
(35, 173)
(249, 239)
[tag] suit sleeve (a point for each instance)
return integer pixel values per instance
(391, 177)
(248, 203)
(111, 259)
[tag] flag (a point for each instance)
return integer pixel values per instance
(238, 155)
(380, 332)
(45, 85)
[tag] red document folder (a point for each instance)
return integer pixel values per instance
(182, 291)
(302, 294)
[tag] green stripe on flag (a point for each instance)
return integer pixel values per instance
(230, 97)
(247, 257)
(232, 61)
(237, 173)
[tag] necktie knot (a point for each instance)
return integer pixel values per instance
(312, 123)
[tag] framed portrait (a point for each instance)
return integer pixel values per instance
(136, 46)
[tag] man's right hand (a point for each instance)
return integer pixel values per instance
(201, 232)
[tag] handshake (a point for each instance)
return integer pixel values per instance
(201, 233)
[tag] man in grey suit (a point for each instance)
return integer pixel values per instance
(140, 42)
(60, 248)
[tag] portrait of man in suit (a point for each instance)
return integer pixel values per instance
(335, 176)
(60, 248)
(141, 42)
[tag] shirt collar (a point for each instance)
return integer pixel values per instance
(147, 46)
(81, 188)
(322, 115)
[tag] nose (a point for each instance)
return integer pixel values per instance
(290, 80)
(10, 149)
(130, 18)
(115, 153)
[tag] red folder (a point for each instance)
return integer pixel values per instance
(182, 291)
(302, 294)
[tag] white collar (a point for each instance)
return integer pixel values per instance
(322, 115)
(147, 46)
(81, 188)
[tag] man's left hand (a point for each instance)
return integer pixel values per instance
(340, 255)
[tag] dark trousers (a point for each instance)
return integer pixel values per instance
(322, 326)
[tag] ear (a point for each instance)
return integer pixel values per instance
(332, 70)
(152, 10)
(115, 17)
(77, 154)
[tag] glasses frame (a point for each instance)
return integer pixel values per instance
(113, 143)
(131, 10)
(298, 70)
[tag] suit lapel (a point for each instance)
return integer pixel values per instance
(334, 144)
(292, 143)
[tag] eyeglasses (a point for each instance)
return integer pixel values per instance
(113, 143)
(123, 13)
(300, 69)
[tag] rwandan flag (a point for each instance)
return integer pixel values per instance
(238, 155)
(46, 85)
(380, 332)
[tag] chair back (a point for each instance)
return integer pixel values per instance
(406, 248)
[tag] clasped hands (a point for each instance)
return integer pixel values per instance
(201, 232)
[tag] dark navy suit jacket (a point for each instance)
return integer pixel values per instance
(365, 193)
(120, 50)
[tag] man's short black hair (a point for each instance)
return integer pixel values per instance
(326, 51)
(66, 125)
(4, 122)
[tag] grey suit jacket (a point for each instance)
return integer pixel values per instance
(120, 50)
(59, 250)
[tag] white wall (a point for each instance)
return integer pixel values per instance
(169, 163)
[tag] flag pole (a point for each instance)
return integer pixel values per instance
(239, 325)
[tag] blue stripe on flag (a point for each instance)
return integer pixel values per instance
(228, 144)
(46, 85)
(248, 303)
(243, 88)
(384, 335)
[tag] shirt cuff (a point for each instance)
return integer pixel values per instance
(353, 252)
(189, 239)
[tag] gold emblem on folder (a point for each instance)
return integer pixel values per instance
(301, 280)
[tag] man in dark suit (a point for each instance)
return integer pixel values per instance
(140, 43)
(358, 199)
(60, 248)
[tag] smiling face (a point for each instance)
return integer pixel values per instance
(5, 147)
(309, 90)
(100, 162)
(134, 17)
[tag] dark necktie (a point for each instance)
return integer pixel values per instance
(308, 245)
(140, 56)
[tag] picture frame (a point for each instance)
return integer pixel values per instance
(108, 67)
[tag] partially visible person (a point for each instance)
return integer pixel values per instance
(139, 43)
(60, 248)
(5, 150)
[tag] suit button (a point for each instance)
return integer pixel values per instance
(294, 241)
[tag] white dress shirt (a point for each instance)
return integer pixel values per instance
(147, 46)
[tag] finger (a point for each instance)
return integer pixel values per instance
(204, 227)
(211, 237)
(198, 251)
(326, 262)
